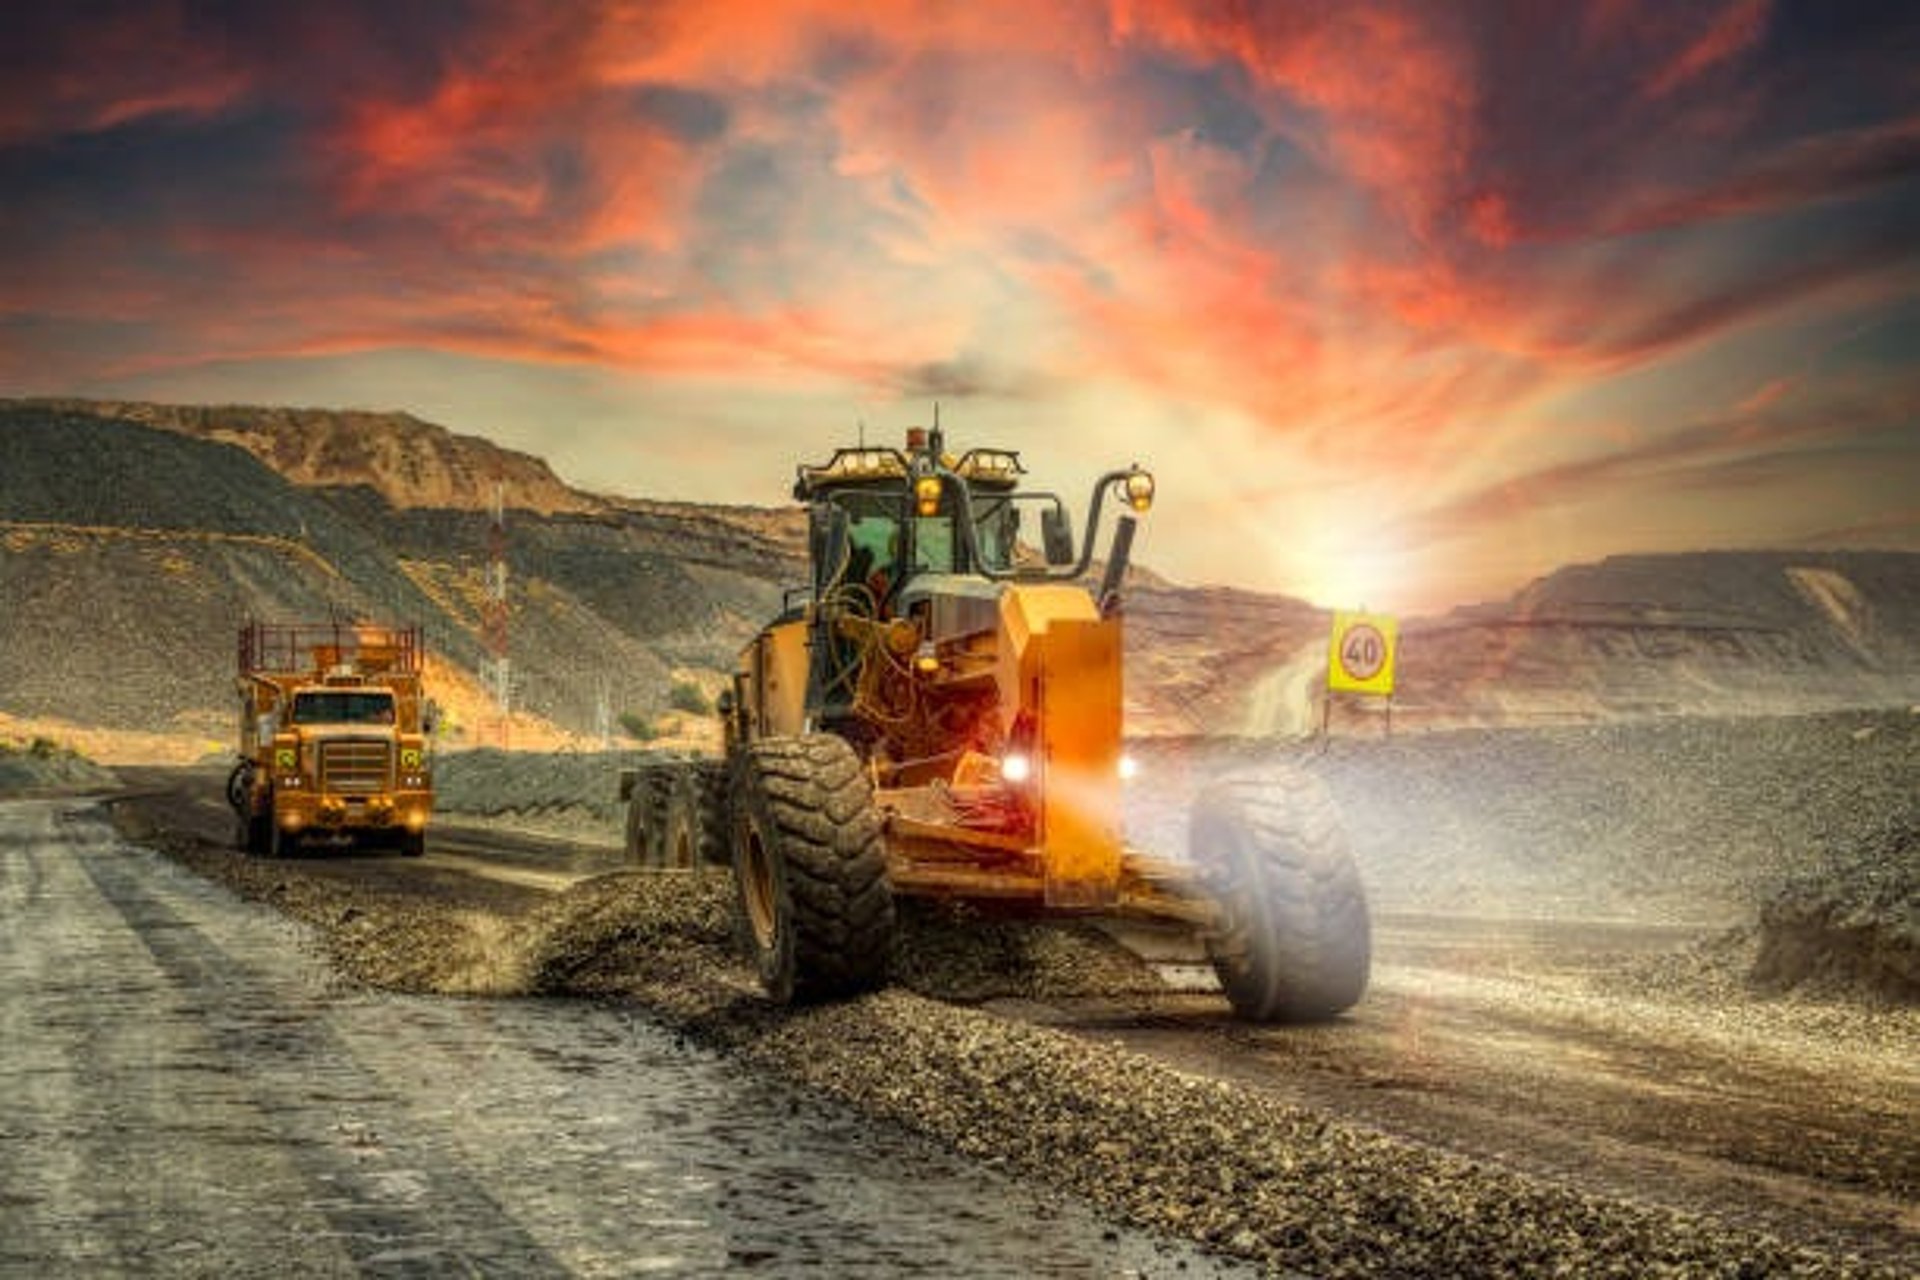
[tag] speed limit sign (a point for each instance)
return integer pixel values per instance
(1360, 653)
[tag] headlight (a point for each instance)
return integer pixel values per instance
(1138, 488)
(926, 494)
(1129, 767)
(1015, 767)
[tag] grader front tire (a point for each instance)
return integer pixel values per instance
(810, 869)
(1295, 942)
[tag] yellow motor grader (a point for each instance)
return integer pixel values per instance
(938, 713)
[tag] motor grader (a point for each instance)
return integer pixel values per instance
(938, 713)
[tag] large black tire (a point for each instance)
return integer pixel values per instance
(1294, 942)
(810, 868)
(647, 816)
(413, 844)
(239, 784)
(696, 816)
(280, 844)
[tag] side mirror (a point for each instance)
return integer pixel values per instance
(429, 718)
(1056, 535)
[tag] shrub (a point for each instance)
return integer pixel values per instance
(638, 726)
(687, 696)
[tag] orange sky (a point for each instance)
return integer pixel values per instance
(1405, 303)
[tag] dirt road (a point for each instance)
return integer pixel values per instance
(186, 1089)
(1639, 1121)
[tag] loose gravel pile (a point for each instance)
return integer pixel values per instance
(1854, 930)
(493, 784)
(1228, 1166)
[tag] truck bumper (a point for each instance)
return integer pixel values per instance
(311, 813)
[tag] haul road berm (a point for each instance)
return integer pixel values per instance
(938, 713)
(334, 734)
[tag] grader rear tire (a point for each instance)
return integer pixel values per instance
(1295, 942)
(647, 817)
(810, 869)
(696, 816)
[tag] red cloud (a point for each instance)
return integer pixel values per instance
(1735, 29)
(158, 66)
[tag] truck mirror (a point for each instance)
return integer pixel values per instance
(1056, 535)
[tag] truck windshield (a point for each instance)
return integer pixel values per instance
(342, 708)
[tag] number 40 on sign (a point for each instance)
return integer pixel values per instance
(1360, 653)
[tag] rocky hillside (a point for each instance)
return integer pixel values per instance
(129, 555)
(406, 461)
(134, 538)
(1708, 633)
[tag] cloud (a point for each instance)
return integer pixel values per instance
(1736, 28)
(1711, 456)
(1383, 245)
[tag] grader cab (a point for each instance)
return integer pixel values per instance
(938, 713)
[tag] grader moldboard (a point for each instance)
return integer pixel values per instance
(938, 713)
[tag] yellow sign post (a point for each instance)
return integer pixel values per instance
(1360, 654)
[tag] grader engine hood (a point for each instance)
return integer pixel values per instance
(1060, 678)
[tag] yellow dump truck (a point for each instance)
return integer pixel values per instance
(334, 738)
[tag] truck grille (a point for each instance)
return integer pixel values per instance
(353, 765)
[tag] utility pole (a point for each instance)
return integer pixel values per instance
(496, 668)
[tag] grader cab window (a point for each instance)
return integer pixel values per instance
(342, 707)
(934, 550)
